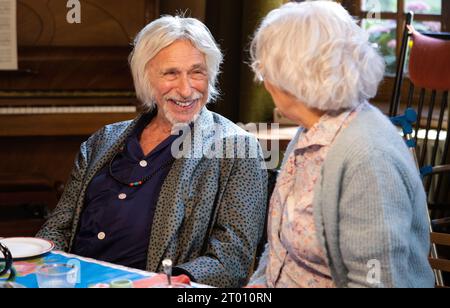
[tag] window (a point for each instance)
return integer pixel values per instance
(384, 21)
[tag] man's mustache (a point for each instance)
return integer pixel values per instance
(178, 98)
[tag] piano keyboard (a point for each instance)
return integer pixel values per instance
(66, 110)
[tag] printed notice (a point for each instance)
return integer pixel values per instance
(8, 35)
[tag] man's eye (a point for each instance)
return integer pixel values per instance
(170, 75)
(198, 74)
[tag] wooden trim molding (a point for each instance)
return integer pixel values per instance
(52, 125)
(67, 94)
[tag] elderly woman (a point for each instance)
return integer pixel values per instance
(133, 200)
(348, 209)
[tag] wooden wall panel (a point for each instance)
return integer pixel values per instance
(56, 69)
(103, 22)
(50, 156)
(48, 125)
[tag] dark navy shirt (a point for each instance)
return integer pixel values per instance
(116, 221)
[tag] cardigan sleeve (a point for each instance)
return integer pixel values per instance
(375, 214)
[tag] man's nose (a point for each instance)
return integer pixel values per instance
(184, 86)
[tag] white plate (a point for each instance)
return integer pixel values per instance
(27, 247)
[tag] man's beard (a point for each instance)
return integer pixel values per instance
(171, 118)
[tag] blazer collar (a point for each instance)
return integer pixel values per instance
(170, 210)
(101, 155)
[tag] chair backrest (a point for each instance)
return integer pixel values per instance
(401, 61)
(429, 85)
(428, 94)
(429, 70)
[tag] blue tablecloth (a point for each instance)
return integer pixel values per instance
(91, 272)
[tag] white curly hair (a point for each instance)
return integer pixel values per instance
(316, 51)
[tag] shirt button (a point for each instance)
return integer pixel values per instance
(101, 236)
(143, 163)
(122, 196)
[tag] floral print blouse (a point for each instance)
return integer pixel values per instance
(296, 259)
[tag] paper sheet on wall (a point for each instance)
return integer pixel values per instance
(8, 35)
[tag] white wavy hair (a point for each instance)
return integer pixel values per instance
(161, 33)
(316, 51)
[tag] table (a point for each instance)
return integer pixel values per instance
(91, 271)
(276, 136)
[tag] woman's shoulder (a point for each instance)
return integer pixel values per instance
(371, 143)
(371, 134)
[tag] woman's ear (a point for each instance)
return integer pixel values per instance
(268, 86)
(277, 93)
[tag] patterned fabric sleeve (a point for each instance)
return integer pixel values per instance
(58, 227)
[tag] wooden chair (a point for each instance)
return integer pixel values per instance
(442, 262)
(429, 85)
(429, 76)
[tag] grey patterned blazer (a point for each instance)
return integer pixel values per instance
(210, 212)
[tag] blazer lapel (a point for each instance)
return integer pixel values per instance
(100, 156)
(170, 210)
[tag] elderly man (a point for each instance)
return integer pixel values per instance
(132, 200)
